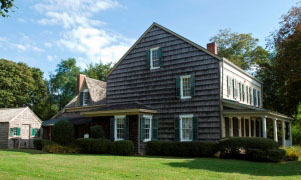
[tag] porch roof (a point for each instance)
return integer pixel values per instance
(73, 120)
(247, 110)
(120, 109)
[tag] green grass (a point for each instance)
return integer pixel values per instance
(32, 164)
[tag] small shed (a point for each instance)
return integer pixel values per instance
(18, 128)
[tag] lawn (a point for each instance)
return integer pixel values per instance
(32, 164)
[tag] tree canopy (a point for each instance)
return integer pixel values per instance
(20, 85)
(241, 49)
(6, 5)
(282, 78)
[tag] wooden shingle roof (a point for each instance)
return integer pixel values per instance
(7, 114)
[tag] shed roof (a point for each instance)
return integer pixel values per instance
(8, 114)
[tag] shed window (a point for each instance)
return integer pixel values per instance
(119, 127)
(186, 127)
(185, 87)
(154, 58)
(15, 132)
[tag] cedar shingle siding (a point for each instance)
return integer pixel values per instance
(133, 81)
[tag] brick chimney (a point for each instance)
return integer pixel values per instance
(80, 81)
(212, 47)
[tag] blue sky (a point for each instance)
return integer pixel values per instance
(42, 32)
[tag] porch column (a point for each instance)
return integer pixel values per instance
(231, 126)
(254, 130)
(275, 130)
(223, 127)
(291, 137)
(245, 134)
(250, 127)
(264, 127)
(239, 126)
(283, 133)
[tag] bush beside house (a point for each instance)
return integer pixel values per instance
(62, 132)
(97, 132)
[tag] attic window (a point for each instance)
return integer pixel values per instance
(84, 97)
(154, 58)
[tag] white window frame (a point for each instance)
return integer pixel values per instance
(181, 87)
(85, 92)
(115, 127)
(150, 127)
(151, 58)
(181, 131)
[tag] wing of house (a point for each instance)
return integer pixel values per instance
(18, 127)
(169, 88)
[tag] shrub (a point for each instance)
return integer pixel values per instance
(97, 132)
(40, 143)
(122, 148)
(62, 132)
(181, 149)
(293, 153)
(251, 148)
(237, 147)
(55, 148)
(94, 146)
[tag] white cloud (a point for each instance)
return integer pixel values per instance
(48, 44)
(51, 58)
(24, 44)
(81, 33)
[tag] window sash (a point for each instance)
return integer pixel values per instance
(85, 97)
(154, 58)
(15, 130)
(186, 127)
(119, 128)
(185, 87)
(147, 128)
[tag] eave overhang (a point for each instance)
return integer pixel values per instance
(118, 112)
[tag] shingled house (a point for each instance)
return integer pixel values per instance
(18, 127)
(169, 88)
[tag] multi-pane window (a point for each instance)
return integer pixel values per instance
(251, 97)
(247, 95)
(154, 58)
(119, 127)
(240, 96)
(185, 87)
(228, 85)
(15, 131)
(147, 127)
(186, 127)
(85, 97)
(243, 92)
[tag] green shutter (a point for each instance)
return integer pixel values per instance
(154, 129)
(192, 85)
(126, 128)
(148, 59)
(11, 132)
(142, 126)
(177, 129)
(19, 129)
(160, 57)
(112, 128)
(33, 131)
(178, 87)
(195, 127)
(81, 96)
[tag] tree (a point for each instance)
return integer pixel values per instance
(6, 5)
(98, 71)
(286, 64)
(62, 132)
(20, 85)
(63, 84)
(241, 49)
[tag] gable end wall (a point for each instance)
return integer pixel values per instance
(132, 81)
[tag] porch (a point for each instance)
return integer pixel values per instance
(257, 123)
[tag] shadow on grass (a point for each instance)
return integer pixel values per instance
(29, 151)
(241, 167)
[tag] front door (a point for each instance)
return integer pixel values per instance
(25, 136)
